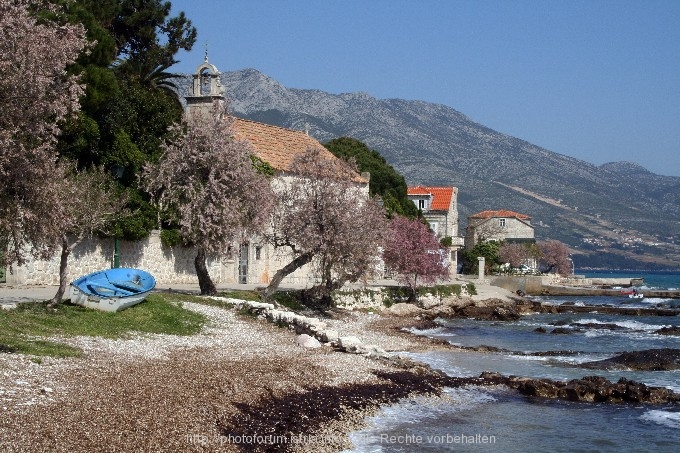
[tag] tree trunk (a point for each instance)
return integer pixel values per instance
(320, 296)
(286, 270)
(63, 276)
(414, 290)
(204, 281)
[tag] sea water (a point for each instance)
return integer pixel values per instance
(499, 419)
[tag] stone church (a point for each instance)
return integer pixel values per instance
(255, 261)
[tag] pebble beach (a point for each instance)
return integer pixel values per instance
(241, 384)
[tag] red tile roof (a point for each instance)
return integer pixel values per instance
(500, 213)
(279, 146)
(441, 196)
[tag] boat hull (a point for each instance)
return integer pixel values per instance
(112, 289)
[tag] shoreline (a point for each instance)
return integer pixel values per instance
(235, 386)
(170, 393)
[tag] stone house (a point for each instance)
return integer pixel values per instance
(253, 262)
(502, 225)
(258, 261)
(439, 206)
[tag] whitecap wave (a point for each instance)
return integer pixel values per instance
(656, 300)
(660, 417)
(632, 325)
(434, 331)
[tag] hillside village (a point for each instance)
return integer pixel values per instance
(570, 200)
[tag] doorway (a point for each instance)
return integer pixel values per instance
(243, 263)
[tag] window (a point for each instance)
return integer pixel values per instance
(258, 252)
(435, 228)
(421, 204)
(501, 223)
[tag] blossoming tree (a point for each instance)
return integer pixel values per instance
(413, 252)
(554, 257)
(36, 95)
(324, 220)
(206, 181)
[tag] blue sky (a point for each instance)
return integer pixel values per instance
(598, 80)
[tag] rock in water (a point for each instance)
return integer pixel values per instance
(664, 359)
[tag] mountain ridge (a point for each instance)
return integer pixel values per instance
(617, 208)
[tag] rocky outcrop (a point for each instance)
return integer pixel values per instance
(404, 309)
(604, 309)
(664, 359)
(497, 313)
(671, 330)
(588, 389)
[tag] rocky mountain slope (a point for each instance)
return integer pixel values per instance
(616, 214)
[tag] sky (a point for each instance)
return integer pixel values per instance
(598, 80)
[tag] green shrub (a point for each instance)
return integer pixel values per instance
(396, 294)
(289, 299)
(171, 238)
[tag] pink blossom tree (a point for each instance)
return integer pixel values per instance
(206, 181)
(517, 254)
(325, 220)
(414, 253)
(512, 253)
(36, 95)
(555, 257)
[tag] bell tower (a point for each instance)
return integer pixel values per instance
(205, 89)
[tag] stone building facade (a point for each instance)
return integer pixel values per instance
(439, 206)
(251, 262)
(498, 226)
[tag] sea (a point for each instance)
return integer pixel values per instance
(474, 419)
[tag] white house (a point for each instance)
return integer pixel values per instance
(439, 206)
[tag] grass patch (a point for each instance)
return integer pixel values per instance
(241, 294)
(209, 301)
(23, 330)
(289, 299)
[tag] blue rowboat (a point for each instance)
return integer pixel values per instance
(112, 289)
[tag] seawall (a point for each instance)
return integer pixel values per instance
(550, 285)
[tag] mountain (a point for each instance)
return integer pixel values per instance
(616, 215)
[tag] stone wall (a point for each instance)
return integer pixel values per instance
(530, 284)
(169, 265)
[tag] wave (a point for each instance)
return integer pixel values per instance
(660, 417)
(434, 331)
(631, 325)
(419, 412)
(656, 300)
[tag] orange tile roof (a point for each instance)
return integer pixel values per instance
(441, 196)
(418, 190)
(500, 213)
(279, 146)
